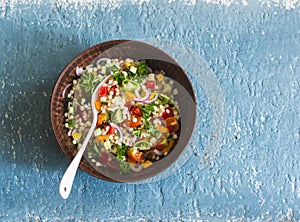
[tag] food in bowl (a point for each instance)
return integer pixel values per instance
(138, 120)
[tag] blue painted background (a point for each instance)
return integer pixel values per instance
(254, 51)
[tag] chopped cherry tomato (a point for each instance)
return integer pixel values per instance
(113, 90)
(172, 124)
(150, 84)
(103, 91)
(135, 155)
(111, 130)
(135, 121)
(168, 113)
(162, 144)
(137, 111)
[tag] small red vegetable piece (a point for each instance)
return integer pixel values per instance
(103, 91)
(135, 155)
(113, 90)
(168, 113)
(111, 130)
(172, 124)
(137, 111)
(150, 84)
(135, 121)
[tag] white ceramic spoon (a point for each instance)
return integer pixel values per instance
(68, 178)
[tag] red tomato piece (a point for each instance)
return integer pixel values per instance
(103, 91)
(111, 129)
(168, 113)
(137, 111)
(150, 84)
(172, 124)
(135, 155)
(113, 90)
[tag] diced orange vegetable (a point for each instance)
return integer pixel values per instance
(146, 164)
(98, 105)
(135, 122)
(131, 161)
(162, 129)
(101, 138)
(128, 64)
(101, 118)
(169, 146)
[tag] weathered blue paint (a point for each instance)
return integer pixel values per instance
(254, 51)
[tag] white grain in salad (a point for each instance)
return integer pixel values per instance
(138, 116)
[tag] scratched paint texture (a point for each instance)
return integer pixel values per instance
(254, 51)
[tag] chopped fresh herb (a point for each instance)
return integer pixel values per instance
(137, 133)
(121, 151)
(88, 82)
(71, 123)
(142, 68)
(119, 77)
(147, 110)
(152, 130)
(112, 70)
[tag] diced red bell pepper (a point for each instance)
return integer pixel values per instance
(103, 91)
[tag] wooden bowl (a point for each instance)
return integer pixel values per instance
(157, 60)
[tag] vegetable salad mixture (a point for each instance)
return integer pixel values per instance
(138, 119)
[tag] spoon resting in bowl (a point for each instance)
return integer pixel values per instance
(68, 178)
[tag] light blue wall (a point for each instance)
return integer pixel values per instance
(253, 51)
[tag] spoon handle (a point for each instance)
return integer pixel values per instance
(68, 178)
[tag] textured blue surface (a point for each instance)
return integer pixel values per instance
(254, 51)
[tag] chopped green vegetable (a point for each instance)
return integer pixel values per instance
(119, 77)
(117, 116)
(130, 85)
(88, 82)
(142, 68)
(71, 123)
(137, 132)
(164, 99)
(147, 110)
(121, 151)
(142, 145)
